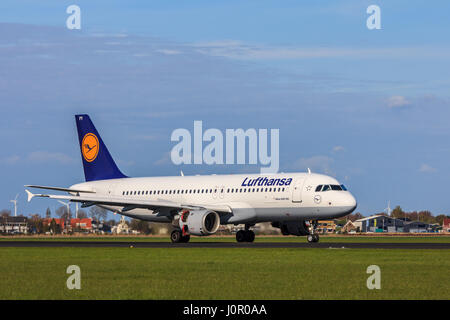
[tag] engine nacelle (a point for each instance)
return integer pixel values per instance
(295, 228)
(199, 222)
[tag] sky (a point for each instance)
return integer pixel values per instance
(369, 107)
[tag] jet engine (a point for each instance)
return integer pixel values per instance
(199, 222)
(295, 228)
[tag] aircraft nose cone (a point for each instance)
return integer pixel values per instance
(350, 203)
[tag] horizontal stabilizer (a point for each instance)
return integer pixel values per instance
(32, 195)
(60, 189)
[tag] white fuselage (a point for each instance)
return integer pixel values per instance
(252, 197)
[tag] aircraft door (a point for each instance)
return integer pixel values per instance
(297, 190)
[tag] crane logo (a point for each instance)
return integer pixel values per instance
(89, 147)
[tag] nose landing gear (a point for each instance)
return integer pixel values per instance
(313, 238)
(313, 235)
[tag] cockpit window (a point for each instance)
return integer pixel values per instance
(328, 187)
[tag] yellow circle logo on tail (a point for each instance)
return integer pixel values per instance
(89, 147)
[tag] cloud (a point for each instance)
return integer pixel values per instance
(10, 160)
(52, 157)
(397, 102)
(168, 51)
(425, 168)
(240, 50)
(164, 160)
(150, 137)
(315, 163)
(338, 148)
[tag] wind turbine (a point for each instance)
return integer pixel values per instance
(388, 209)
(15, 205)
(67, 204)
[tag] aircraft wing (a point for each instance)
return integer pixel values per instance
(130, 204)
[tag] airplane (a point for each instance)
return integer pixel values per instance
(198, 205)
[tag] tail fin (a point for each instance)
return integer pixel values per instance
(97, 161)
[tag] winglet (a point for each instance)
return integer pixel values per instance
(30, 195)
(309, 171)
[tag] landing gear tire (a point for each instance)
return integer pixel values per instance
(176, 236)
(313, 238)
(185, 239)
(240, 236)
(249, 236)
(245, 236)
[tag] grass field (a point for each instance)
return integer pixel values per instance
(236, 273)
(323, 238)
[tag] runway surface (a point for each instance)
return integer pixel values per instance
(257, 245)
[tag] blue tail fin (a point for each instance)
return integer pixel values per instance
(97, 161)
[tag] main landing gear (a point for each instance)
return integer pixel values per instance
(177, 237)
(246, 235)
(313, 236)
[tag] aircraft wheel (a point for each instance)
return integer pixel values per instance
(185, 239)
(249, 236)
(310, 238)
(176, 236)
(240, 236)
(316, 238)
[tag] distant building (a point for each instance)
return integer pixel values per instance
(121, 228)
(83, 224)
(379, 223)
(418, 227)
(13, 225)
(349, 227)
(382, 223)
(446, 225)
(326, 226)
(60, 222)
